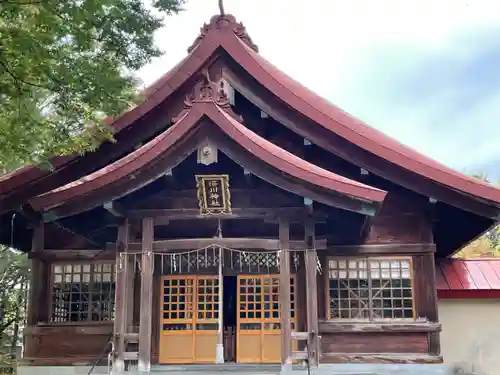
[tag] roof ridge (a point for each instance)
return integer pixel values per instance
(224, 23)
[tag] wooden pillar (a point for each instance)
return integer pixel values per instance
(145, 317)
(312, 293)
(36, 291)
(120, 298)
(430, 305)
(301, 305)
(129, 293)
(323, 286)
(219, 352)
(284, 296)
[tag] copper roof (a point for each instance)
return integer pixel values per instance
(462, 278)
(266, 151)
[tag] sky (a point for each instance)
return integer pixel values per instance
(426, 72)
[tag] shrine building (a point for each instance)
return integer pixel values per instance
(238, 218)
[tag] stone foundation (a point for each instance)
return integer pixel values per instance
(233, 369)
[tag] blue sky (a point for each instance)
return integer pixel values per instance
(426, 72)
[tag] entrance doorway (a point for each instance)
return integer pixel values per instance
(230, 317)
(189, 312)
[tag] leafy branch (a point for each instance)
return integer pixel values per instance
(63, 65)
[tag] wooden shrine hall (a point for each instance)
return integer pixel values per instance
(238, 218)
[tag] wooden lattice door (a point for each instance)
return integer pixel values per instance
(258, 333)
(188, 325)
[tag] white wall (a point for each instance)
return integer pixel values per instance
(471, 333)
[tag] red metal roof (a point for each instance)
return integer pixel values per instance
(354, 130)
(226, 34)
(468, 278)
(264, 150)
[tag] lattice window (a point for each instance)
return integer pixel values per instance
(207, 295)
(259, 302)
(252, 262)
(370, 288)
(178, 297)
(83, 292)
(190, 302)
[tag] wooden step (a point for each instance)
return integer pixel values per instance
(299, 355)
(132, 337)
(131, 356)
(300, 336)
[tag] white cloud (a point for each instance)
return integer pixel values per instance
(327, 45)
(309, 39)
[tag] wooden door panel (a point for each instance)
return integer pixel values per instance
(188, 319)
(258, 330)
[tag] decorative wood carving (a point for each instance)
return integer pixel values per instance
(224, 22)
(208, 91)
(207, 153)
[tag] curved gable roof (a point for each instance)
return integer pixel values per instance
(223, 32)
(352, 129)
(331, 188)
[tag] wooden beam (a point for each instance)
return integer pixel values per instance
(284, 294)
(312, 294)
(429, 299)
(234, 243)
(80, 254)
(120, 298)
(146, 298)
(249, 197)
(387, 358)
(353, 326)
(323, 286)
(365, 228)
(37, 275)
(114, 209)
(294, 214)
(380, 249)
(130, 292)
(301, 306)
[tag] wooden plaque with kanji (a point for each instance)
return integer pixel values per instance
(213, 194)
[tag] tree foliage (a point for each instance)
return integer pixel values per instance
(14, 274)
(488, 245)
(64, 66)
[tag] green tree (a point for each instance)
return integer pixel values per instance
(488, 245)
(14, 273)
(65, 66)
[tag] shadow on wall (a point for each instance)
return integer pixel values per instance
(480, 352)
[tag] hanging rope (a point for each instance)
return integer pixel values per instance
(225, 248)
(218, 234)
(176, 261)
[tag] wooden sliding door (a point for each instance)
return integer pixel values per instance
(258, 331)
(188, 319)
